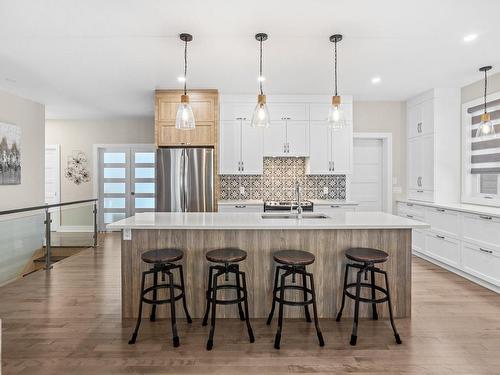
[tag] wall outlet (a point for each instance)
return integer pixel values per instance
(127, 234)
(242, 190)
(325, 190)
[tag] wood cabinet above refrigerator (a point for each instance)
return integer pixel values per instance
(205, 105)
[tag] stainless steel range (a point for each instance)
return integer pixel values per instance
(287, 205)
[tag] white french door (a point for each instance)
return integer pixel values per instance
(126, 183)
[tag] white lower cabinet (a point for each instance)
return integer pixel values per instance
(481, 262)
(468, 242)
(332, 209)
(442, 248)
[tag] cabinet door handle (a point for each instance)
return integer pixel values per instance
(419, 127)
(440, 237)
(240, 206)
(486, 251)
(485, 217)
(409, 204)
(333, 165)
(242, 166)
(440, 210)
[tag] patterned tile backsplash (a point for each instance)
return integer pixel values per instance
(277, 182)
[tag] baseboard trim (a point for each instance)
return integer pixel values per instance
(76, 228)
(458, 272)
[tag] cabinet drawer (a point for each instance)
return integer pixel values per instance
(291, 111)
(240, 208)
(444, 249)
(418, 240)
(444, 221)
(332, 209)
(481, 262)
(411, 211)
(481, 229)
(421, 195)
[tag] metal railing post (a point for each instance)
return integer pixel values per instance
(95, 224)
(47, 222)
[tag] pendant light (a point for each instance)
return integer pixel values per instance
(486, 128)
(260, 117)
(335, 113)
(185, 118)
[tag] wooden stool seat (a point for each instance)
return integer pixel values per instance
(161, 256)
(294, 257)
(228, 255)
(366, 255)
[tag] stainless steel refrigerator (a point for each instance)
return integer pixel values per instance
(185, 180)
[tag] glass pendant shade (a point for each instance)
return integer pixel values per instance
(486, 128)
(336, 119)
(185, 117)
(260, 117)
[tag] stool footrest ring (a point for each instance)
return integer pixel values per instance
(293, 303)
(368, 286)
(161, 301)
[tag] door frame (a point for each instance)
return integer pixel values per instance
(386, 139)
(95, 164)
(56, 212)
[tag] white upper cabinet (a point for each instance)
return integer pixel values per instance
(330, 151)
(241, 148)
(433, 123)
(233, 111)
(287, 137)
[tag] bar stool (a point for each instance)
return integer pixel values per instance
(226, 259)
(366, 259)
(162, 261)
(292, 263)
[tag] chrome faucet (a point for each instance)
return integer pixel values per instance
(297, 195)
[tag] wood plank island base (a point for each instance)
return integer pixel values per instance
(327, 239)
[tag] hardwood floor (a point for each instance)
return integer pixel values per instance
(69, 322)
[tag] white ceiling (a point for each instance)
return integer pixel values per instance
(97, 58)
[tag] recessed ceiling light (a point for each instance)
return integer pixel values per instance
(181, 79)
(261, 78)
(376, 80)
(470, 38)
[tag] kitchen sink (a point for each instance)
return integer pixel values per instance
(295, 216)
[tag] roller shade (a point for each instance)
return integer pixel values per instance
(485, 154)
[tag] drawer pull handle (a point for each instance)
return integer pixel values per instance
(240, 206)
(440, 210)
(420, 191)
(485, 217)
(334, 206)
(486, 251)
(410, 216)
(440, 237)
(409, 204)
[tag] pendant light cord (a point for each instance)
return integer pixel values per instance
(485, 89)
(185, 64)
(335, 67)
(260, 68)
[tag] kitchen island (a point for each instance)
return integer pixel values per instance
(327, 238)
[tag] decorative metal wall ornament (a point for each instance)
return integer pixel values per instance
(10, 154)
(76, 169)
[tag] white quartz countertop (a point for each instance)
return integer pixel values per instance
(222, 220)
(470, 208)
(257, 202)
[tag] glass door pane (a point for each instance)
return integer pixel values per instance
(142, 172)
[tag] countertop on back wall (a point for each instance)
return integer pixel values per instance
(256, 202)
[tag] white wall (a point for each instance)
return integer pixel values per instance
(386, 117)
(22, 235)
(30, 116)
(476, 89)
(81, 135)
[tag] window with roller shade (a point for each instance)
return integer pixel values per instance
(481, 156)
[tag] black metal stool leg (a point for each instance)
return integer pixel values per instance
(354, 335)
(339, 315)
(238, 292)
(134, 335)
(396, 334)
(184, 303)
(374, 305)
(209, 295)
(304, 285)
(315, 311)
(210, 342)
(275, 287)
(172, 309)
(152, 318)
(245, 301)
(277, 339)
